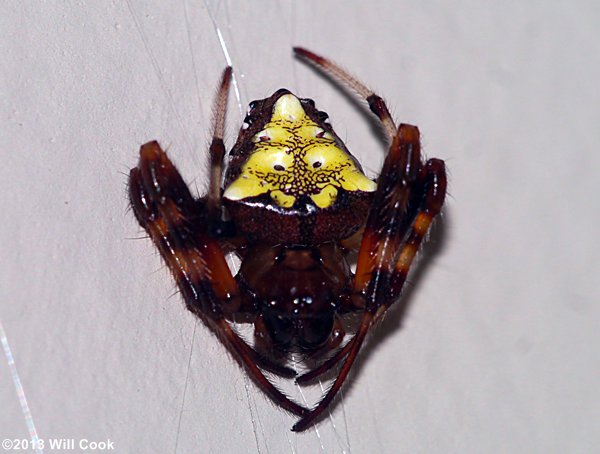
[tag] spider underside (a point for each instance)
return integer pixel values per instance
(293, 202)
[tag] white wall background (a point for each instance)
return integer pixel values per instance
(500, 349)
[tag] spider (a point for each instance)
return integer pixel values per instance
(294, 203)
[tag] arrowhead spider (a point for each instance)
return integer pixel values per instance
(293, 200)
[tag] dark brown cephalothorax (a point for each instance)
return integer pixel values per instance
(293, 195)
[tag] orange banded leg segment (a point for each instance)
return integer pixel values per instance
(376, 103)
(435, 192)
(386, 224)
(165, 208)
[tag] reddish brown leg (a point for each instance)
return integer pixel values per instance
(165, 208)
(434, 178)
(408, 197)
(387, 221)
(217, 147)
(376, 103)
(354, 347)
(383, 232)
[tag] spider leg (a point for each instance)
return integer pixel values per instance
(353, 348)
(383, 232)
(376, 103)
(408, 197)
(434, 180)
(391, 214)
(217, 147)
(165, 208)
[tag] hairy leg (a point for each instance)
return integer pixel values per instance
(165, 208)
(408, 197)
